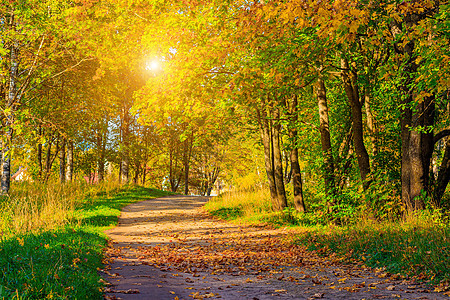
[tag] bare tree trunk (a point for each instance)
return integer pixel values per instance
(125, 164)
(101, 145)
(136, 172)
(51, 157)
(212, 177)
(144, 175)
(373, 131)
(8, 122)
(443, 175)
(349, 78)
(295, 166)
(125, 155)
(417, 146)
(39, 156)
(325, 139)
(69, 167)
(267, 143)
(278, 165)
(187, 157)
(6, 168)
(62, 161)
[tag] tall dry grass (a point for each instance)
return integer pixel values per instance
(32, 206)
(249, 203)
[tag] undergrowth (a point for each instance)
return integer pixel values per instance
(415, 246)
(58, 258)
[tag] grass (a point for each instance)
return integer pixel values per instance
(420, 251)
(417, 247)
(56, 257)
(248, 206)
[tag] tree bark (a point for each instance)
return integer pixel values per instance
(6, 168)
(349, 79)
(277, 162)
(125, 151)
(9, 119)
(187, 157)
(62, 161)
(136, 172)
(371, 125)
(50, 158)
(325, 140)
(144, 174)
(212, 177)
(101, 145)
(125, 163)
(443, 175)
(39, 155)
(69, 167)
(267, 144)
(296, 175)
(417, 144)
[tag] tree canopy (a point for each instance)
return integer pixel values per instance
(332, 106)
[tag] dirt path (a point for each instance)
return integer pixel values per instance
(168, 248)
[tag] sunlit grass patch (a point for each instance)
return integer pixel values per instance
(413, 248)
(250, 206)
(32, 206)
(60, 261)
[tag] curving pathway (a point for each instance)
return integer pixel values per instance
(169, 248)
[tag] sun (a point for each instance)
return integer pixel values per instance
(153, 65)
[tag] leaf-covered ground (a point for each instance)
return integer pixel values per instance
(168, 248)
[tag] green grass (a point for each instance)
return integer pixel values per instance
(421, 251)
(418, 247)
(62, 263)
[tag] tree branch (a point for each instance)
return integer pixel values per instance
(440, 135)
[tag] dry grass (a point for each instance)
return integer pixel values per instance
(34, 206)
(248, 205)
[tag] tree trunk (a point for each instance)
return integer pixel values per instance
(101, 146)
(349, 78)
(418, 152)
(51, 157)
(62, 161)
(212, 177)
(39, 156)
(443, 175)
(69, 170)
(6, 168)
(187, 157)
(144, 174)
(9, 119)
(295, 166)
(267, 143)
(136, 172)
(278, 164)
(124, 176)
(125, 151)
(417, 145)
(325, 140)
(373, 131)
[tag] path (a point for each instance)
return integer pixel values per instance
(168, 248)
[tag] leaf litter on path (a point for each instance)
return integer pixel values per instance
(174, 250)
